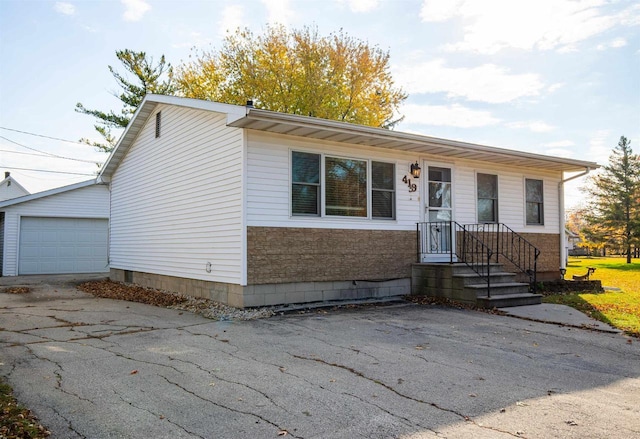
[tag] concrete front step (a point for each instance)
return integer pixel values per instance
(507, 300)
(499, 289)
(496, 278)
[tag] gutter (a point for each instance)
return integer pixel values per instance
(561, 213)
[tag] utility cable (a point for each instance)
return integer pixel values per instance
(46, 153)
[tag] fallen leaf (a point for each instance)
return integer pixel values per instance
(472, 395)
(283, 433)
(420, 348)
(521, 404)
(161, 417)
(212, 384)
(535, 345)
(572, 423)
(332, 381)
(282, 369)
(629, 341)
(133, 372)
(503, 410)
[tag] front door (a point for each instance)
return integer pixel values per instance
(438, 239)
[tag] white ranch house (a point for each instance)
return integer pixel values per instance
(252, 207)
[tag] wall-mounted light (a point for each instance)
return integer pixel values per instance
(563, 271)
(415, 170)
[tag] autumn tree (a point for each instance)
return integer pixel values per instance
(147, 78)
(300, 72)
(615, 202)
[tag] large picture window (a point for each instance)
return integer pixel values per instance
(351, 187)
(346, 187)
(487, 192)
(535, 202)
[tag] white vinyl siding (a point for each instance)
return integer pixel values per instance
(87, 202)
(177, 199)
(269, 193)
(268, 187)
(511, 202)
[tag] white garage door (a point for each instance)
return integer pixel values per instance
(62, 245)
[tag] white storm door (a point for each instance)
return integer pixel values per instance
(438, 214)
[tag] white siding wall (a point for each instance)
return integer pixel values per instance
(268, 190)
(268, 184)
(88, 202)
(511, 195)
(177, 199)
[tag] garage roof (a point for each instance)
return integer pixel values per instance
(48, 193)
(323, 129)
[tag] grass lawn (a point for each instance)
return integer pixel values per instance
(617, 308)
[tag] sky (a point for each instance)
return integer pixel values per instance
(555, 77)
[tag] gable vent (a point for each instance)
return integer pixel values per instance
(158, 120)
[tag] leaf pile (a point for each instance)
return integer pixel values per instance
(16, 290)
(133, 293)
(16, 421)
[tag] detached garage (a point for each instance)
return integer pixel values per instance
(63, 230)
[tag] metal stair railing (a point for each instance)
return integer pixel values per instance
(509, 244)
(437, 238)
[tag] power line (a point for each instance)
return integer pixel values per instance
(37, 155)
(42, 135)
(44, 170)
(46, 153)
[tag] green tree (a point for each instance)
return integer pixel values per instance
(299, 72)
(148, 78)
(615, 204)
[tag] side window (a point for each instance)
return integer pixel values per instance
(535, 202)
(487, 193)
(383, 190)
(305, 187)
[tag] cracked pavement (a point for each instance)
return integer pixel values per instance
(100, 368)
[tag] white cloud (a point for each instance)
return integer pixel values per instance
(536, 126)
(559, 152)
(232, 18)
(361, 5)
(600, 145)
(486, 83)
(492, 25)
(278, 11)
(65, 8)
(560, 144)
(134, 9)
(554, 87)
(443, 115)
(614, 44)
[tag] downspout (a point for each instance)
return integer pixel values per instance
(561, 212)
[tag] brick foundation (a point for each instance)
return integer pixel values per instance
(278, 255)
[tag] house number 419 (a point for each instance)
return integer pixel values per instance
(412, 186)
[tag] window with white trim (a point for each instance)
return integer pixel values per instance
(305, 187)
(487, 198)
(535, 202)
(351, 187)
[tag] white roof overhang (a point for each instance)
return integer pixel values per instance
(322, 129)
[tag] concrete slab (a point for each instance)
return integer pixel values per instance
(402, 371)
(558, 314)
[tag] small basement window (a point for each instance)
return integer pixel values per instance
(158, 120)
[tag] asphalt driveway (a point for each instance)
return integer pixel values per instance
(100, 368)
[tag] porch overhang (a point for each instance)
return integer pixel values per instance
(342, 132)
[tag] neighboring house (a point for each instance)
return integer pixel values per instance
(10, 188)
(252, 207)
(62, 230)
